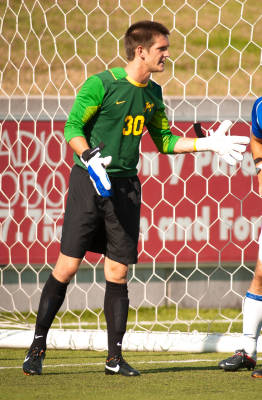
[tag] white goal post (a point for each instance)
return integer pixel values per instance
(200, 219)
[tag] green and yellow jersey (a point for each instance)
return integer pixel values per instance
(113, 109)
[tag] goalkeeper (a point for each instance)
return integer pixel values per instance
(252, 309)
(102, 214)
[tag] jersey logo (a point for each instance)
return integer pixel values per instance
(148, 106)
(121, 102)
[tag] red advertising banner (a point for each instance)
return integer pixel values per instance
(192, 211)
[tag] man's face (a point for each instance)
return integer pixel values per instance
(156, 56)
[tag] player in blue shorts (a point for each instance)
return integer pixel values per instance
(252, 310)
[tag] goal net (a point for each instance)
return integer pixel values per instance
(200, 217)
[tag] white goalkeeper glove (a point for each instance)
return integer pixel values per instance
(96, 167)
(229, 148)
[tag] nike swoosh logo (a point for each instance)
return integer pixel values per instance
(26, 359)
(38, 336)
(227, 363)
(114, 369)
(121, 102)
(119, 344)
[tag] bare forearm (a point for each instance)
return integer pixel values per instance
(185, 145)
(78, 144)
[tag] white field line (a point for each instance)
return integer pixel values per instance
(137, 362)
(102, 363)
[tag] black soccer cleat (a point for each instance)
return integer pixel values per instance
(33, 362)
(257, 373)
(239, 360)
(118, 366)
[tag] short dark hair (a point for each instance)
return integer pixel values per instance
(142, 33)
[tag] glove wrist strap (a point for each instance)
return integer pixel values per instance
(89, 153)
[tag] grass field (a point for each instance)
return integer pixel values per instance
(167, 319)
(80, 375)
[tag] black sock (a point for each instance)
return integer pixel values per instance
(116, 311)
(52, 297)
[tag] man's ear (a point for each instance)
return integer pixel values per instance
(140, 52)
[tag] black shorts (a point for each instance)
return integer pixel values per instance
(109, 226)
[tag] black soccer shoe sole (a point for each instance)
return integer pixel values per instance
(123, 371)
(257, 374)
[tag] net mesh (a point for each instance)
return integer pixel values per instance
(200, 218)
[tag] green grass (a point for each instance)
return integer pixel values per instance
(80, 375)
(165, 319)
(50, 47)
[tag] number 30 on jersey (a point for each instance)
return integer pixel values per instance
(134, 125)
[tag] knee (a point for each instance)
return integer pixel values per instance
(65, 275)
(115, 272)
(65, 268)
(118, 273)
